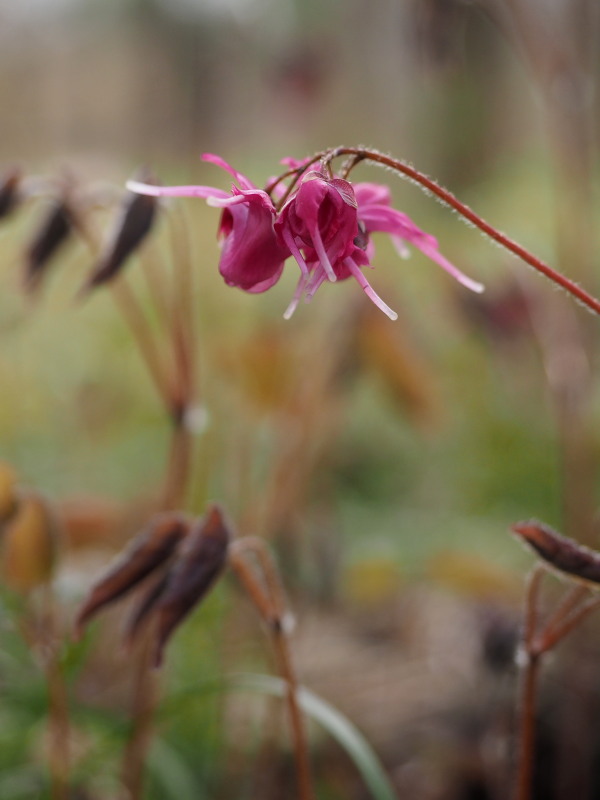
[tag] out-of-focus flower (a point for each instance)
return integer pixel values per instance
(325, 224)
(252, 256)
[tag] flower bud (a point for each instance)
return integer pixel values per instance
(54, 230)
(8, 494)
(133, 224)
(201, 560)
(29, 544)
(561, 553)
(147, 551)
(9, 191)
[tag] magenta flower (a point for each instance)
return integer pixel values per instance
(325, 224)
(252, 255)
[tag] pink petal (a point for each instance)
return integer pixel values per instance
(243, 181)
(175, 191)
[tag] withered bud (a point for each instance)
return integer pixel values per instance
(132, 225)
(9, 191)
(29, 544)
(147, 551)
(143, 609)
(560, 552)
(53, 231)
(201, 559)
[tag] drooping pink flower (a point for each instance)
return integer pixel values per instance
(252, 255)
(325, 224)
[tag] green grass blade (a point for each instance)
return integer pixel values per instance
(336, 724)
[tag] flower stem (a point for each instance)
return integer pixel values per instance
(269, 600)
(529, 680)
(453, 202)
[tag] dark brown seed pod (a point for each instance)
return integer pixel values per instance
(560, 552)
(54, 230)
(143, 609)
(133, 224)
(201, 559)
(147, 551)
(9, 191)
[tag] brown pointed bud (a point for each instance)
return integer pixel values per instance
(561, 553)
(53, 231)
(201, 560)
(30, 544)
(8, 492)
(143, 609)
(9, 191)
(147, 551)
(131, 227)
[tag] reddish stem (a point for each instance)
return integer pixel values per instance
(453, 202)
(529, 679)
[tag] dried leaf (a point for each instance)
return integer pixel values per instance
(151, 548)
(29, 544)
(54, 230)
(132, 226)
(202, 558)
(560, 552)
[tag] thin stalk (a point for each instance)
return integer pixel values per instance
(453, 202)
(271, 606)
(131, 311)
(528, 691)
(552, 636)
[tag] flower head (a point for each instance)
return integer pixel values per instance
(324, 222)
(252, 256)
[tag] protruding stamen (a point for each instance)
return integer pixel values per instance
(368, 289)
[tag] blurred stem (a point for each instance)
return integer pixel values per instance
(130, 309)
(527, 695)
(145, 699)
(270, 603)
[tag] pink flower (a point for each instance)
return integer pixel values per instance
(326, 225)
(252, 256)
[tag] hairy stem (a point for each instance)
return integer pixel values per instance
(453, 202)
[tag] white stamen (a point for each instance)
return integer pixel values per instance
(323, 257)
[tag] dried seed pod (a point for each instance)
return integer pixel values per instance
(54, 230)
(132, 226)
(9, 191)
(29, 544)
(200, 561)
(147, 551)
(560, 552)
(143, 609)
(8, 493)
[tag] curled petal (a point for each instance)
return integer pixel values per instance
(201, 560)
(243, 181)
(175, 191)
(151, 548)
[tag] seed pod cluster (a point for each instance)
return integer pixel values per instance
(560, 552)
(181, 558)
